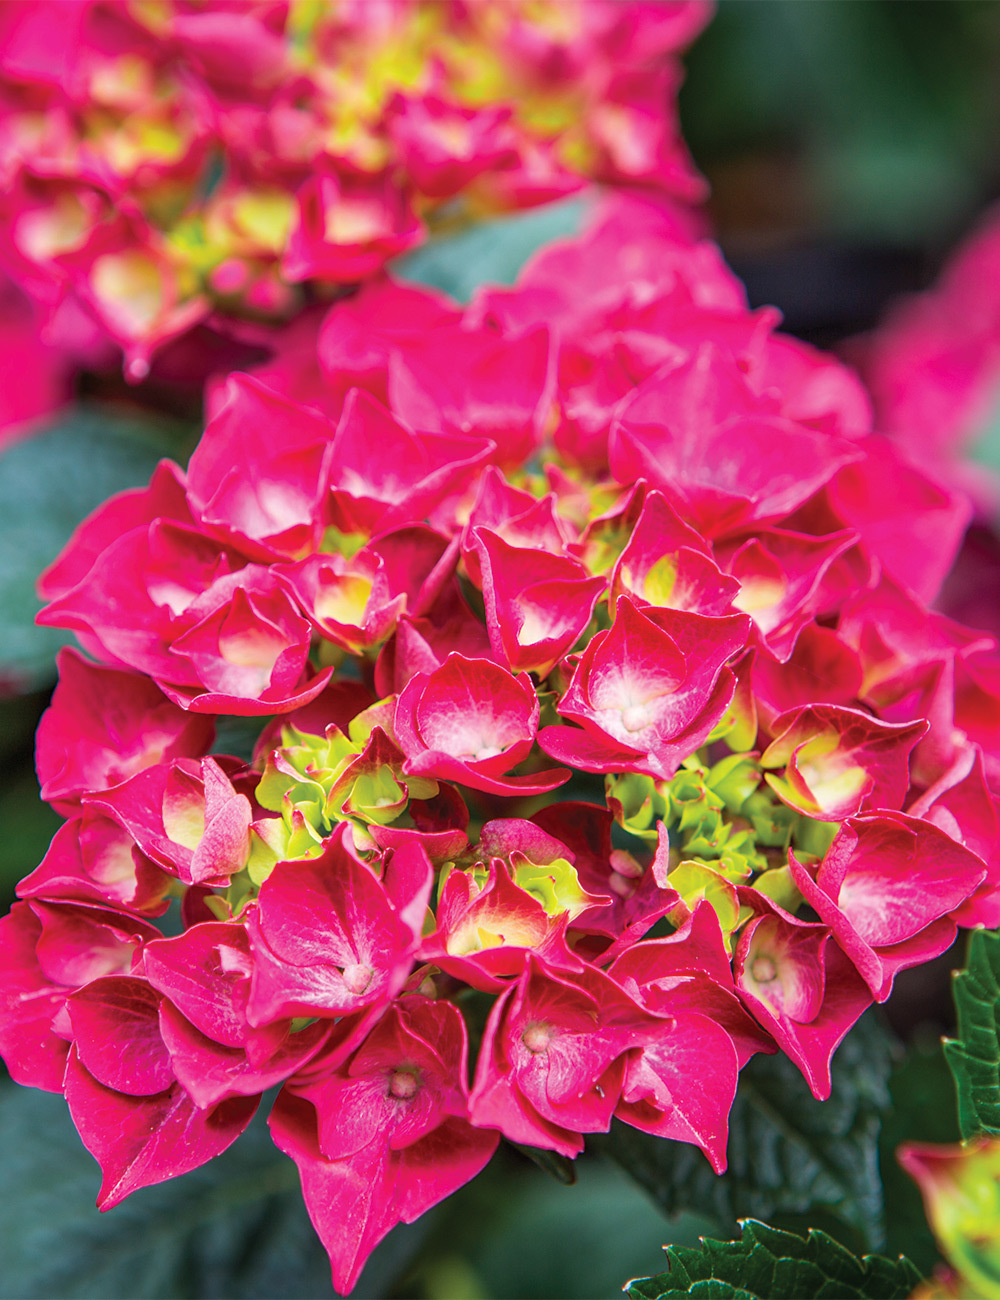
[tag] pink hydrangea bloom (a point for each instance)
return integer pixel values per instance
(168, 167)
(606, 525)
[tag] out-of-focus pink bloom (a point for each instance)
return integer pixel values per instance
(164, 170)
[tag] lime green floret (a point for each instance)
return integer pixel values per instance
(555, 885)
(303, 772)
(722, 815)
(314, 782)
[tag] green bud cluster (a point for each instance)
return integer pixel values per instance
(721, 815)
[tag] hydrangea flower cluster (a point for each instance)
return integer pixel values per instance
(164, 164)
(608, 739)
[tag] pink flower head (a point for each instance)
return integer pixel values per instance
(648, 692)
(385, 1135)
(329, 937)
(105, 725)
(886, 889)
(608, 509)
(838, 762)
(553, 1057)
(470, 721)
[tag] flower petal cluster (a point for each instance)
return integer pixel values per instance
(607, 527)
(169, 165)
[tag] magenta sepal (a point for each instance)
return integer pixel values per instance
(470, 721)
(553, 1056)
(328, 938)
(141, 1140)
(886, 888)
(116, 1034)
(799, 985)
(381, 1138)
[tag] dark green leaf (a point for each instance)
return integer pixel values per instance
(555, 1165)
(788, 1153)
(768, 1264)
(923, 1110)
(48, 484)
(235, 1228)
(492, 252)
(974, 1055)
(238, 736)
(514, 1232)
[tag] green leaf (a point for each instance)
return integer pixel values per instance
(491, 252)
(513, 1231)
(974, 1055)
(788, 1153)
(238, 736)
(923, 1110)
(768, 1264)
(235, 1228)
(48, 484)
